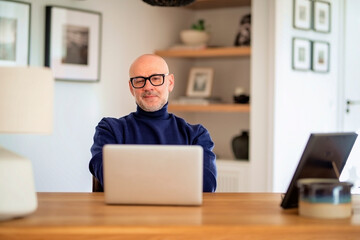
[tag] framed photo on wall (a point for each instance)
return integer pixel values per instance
(72, 43)
(301, 54)
(200, 82)
(320, 56)
(14, 33)
(302, 10)
(322, 16)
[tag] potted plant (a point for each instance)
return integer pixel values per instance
(196, 36)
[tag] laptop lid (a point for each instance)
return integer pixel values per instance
(324, 156)
(153, 174)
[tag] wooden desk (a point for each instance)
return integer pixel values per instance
(222, 216)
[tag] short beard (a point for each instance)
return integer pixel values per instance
(151, 109)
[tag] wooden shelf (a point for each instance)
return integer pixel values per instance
(245, 108)
(206, 53)
(211, 4)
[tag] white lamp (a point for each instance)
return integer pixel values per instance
(26, 106)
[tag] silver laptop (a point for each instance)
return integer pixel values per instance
(153, 174)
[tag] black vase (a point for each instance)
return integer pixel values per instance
(240, 146)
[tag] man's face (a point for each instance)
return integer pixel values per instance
(151, 98)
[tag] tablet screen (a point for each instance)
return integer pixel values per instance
(324, 156)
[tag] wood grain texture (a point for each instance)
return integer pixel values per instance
(222, 216)
(244, 108)
(206, 53)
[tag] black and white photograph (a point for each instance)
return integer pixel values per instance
(301, 55)
(200, 82)
(320, 57)
(322, 16)
(14, 33)
(302, 10)
(8, 28)
(72, 46)
(76, 44)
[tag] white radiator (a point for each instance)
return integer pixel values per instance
(232, 176)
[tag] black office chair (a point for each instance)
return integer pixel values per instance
(96, 185)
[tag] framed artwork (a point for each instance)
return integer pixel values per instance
(301, 54)
(302, 14)
(320, 56)
(200, 82)
(322, 16)
(72, 43)
(14, 33)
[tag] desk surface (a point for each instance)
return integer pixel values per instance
(222, 216)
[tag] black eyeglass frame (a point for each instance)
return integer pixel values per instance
(148, 78)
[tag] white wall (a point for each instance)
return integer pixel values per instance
(304, 102)
(262, 64)
(130, 28)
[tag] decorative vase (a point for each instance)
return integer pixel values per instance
(194, 37)
(240, 146)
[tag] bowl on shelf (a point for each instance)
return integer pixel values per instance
(194, 37)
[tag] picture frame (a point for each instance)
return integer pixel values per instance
(320, 56)
(200, 82)
(15, 21)
(301, 54)
(322, 16)
(73, 43)
(302, 14)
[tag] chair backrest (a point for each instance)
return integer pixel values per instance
(96, 185)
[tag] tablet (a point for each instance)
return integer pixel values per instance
(324, 156)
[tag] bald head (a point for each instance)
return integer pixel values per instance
(148, 64)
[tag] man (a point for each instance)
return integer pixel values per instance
(150, 84)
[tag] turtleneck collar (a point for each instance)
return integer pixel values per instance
(160, 114)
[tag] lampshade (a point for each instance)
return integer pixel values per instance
(26, 100)
(26, 106)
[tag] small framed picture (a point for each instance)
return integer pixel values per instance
(322, 16)
(200, 82)
(302, 14)
(72, 43)
(320, 56)
(301, 55)
(14, 33)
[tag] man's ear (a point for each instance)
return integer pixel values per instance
(171, 82)
(131, 88)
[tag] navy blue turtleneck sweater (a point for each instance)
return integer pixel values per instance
(158, 127)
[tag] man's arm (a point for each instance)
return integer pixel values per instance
(210, 172)
(103, 135)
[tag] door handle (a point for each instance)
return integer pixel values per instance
(351, 102)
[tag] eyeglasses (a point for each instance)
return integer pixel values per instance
(155, 80)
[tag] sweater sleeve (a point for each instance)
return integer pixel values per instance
(103, 135)
(210, 172)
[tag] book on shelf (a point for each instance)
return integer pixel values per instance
(197, 100)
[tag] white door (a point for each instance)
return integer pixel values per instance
(351, 113)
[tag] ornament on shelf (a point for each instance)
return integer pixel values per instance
(243, 37)
(240, 146)
(240, 96)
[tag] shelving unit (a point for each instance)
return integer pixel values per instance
(244, 108)
(206, 53)
(232, 174)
